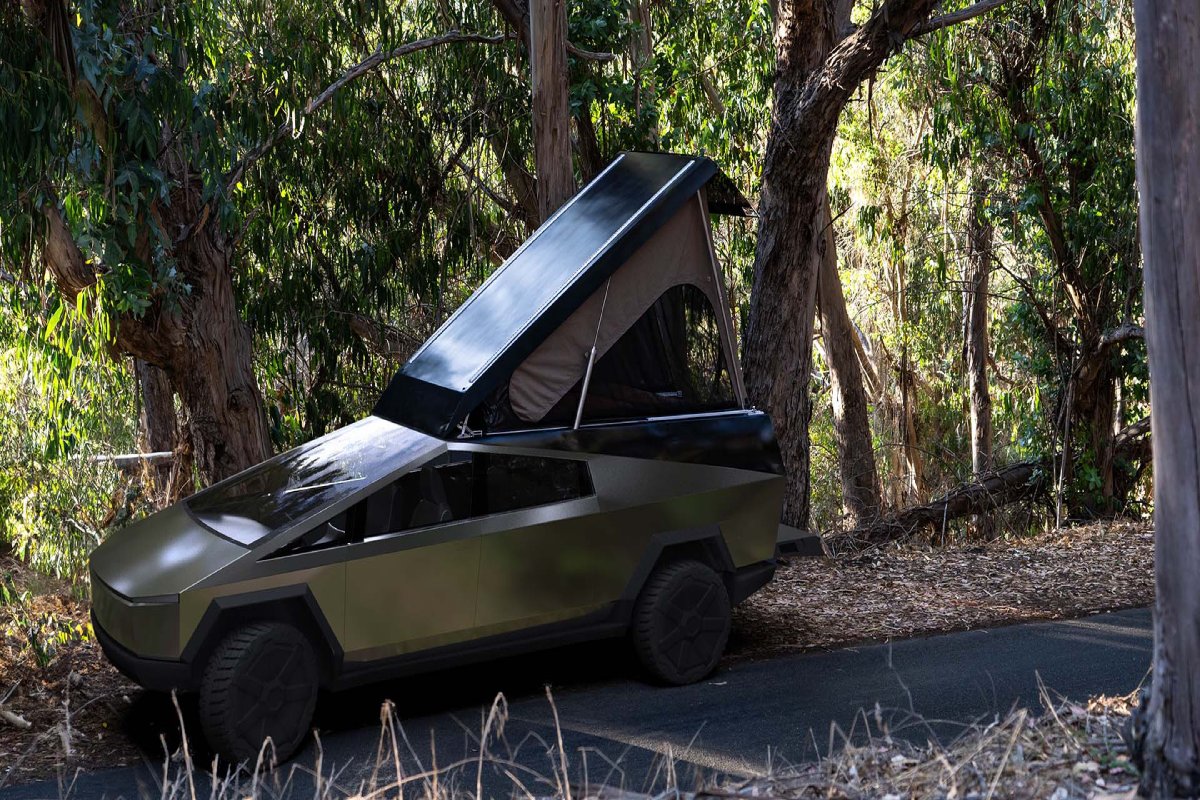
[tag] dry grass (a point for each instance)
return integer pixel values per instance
(1066, 752)
(912, 589)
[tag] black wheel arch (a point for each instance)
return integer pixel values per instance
(704, 544)
(291, 605)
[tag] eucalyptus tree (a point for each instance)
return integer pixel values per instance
(821, 58)
(862, 498)
(150, 163)
(1039, 99)
(1168, 170)
(977, 275)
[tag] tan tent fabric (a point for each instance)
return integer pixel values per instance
(676, 254)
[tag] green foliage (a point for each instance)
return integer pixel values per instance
(41, 632)
(1034, 103)
(56, 503)
(357, 233)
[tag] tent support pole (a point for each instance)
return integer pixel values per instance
(587, 375)
(726, 321)
(587, 378)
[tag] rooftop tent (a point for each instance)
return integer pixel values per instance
(627, 264)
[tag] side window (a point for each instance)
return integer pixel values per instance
(460, 486)
(510, 483)
(452, 487)
(342, 528)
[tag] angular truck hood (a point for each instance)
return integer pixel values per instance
(161, 555)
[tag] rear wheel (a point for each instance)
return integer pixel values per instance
(261, 682)
(681, 622)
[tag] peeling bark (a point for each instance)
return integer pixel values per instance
(1168, 171)
(551, 106)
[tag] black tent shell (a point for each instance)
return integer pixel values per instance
(565, 260)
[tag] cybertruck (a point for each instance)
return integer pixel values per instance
(570, 456)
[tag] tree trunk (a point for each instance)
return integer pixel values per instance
(521, 183)
(778, 350)
(159, 424)
(591, 160)
(914, 462)
(790, 247)
(815, 76)
(1093, 417)
(200, 344)
(211, 367)
(1168, 170)
(851, 425)
(975, 343)
(551, 106)
(641, 54)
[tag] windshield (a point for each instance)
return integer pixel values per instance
(297, 483)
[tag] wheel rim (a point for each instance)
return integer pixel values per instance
(694, 617)
(276, 688)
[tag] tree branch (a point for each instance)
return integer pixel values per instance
(856, 58)
(376, 59)
(962, 15)
(864, 49)
(589, 55)
(62, 255)
(516, 13)
(1122, 333)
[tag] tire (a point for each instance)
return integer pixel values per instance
(260, 682)
(681, 622)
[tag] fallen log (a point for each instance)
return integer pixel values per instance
(1025, 480)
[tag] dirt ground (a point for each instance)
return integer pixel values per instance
(62, 706)
(907, 590)
(59, 699)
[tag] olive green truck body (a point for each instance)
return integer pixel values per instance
(166, 589)
(570, 456)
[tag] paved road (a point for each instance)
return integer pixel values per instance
(750, 717)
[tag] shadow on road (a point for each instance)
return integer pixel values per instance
(152, 722)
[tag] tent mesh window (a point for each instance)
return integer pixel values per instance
(670, 361)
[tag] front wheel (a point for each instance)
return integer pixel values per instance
(681, 622)
(261, 682)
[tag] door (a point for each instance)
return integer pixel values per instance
(412, 579)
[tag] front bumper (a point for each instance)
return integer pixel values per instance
(157, 674)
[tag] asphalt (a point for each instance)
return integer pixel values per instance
(750, 717)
